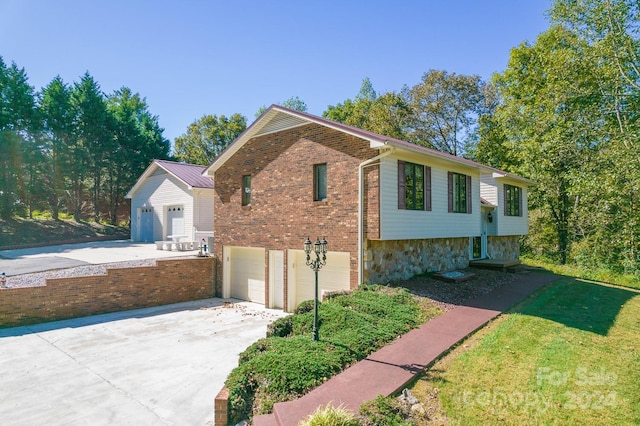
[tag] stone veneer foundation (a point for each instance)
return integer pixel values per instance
(504, 248)
(387, 261)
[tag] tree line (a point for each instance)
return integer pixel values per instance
(69, 148)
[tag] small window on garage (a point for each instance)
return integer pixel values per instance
(246, 190)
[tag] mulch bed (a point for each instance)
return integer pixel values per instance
(448, 295)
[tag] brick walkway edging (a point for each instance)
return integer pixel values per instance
(389, 369)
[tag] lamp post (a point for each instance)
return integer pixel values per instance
(320, 250)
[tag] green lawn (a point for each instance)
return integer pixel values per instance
(568, 355)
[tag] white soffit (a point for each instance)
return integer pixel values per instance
(279, 122)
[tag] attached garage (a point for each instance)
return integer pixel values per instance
(244, 273)
(334, 276)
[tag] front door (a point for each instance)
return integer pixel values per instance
(175, 220)
(145, 224)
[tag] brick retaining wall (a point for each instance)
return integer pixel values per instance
(170, 281)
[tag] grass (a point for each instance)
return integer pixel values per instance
(287, 364)
(19, 232)
(567, 355)
(600, 275)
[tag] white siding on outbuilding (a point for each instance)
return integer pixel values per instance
(161, 190)
(203, 213)
(398, 224)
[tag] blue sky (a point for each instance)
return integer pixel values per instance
(190, 58)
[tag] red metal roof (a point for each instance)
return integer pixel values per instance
(191, 174)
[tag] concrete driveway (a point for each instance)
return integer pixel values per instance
(154, 366)
(38, 259)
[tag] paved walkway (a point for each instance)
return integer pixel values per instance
(388, 370)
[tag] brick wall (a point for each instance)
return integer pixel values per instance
(170, 281)
(282, 212)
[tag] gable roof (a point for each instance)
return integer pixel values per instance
(277, 118)
(190, 174)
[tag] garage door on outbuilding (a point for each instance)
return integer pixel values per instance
(244, 273)
(334, 276)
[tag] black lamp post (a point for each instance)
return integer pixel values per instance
(320, 249)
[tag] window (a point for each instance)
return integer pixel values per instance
(320, 182)
(512, 200)
(459, 190)
(476, 247)
(414, 186)
(246, 190)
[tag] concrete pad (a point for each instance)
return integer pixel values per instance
(40, 259)
(161, 365)
(30, 265)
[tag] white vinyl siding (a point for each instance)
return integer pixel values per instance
(488, 189)
(396, 224)
(159, 191)
(203, 211)
(511, 225)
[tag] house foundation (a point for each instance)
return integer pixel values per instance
(503, 247)
(386, 261)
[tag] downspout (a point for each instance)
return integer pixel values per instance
(369, 162)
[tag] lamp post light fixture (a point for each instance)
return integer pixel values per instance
(320, 250)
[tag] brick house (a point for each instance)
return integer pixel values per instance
(388, 208)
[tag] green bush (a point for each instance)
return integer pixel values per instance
(287, 363)
(282, 327)
(330, 416)
(304, 307)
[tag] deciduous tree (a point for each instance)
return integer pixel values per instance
(444, 110)
(207, 137)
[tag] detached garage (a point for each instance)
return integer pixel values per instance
(171, 198)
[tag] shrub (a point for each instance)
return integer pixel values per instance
(278, 369)
(287, 363)
(330, 416)
(304, 307)
(282, 327)
(383, 411)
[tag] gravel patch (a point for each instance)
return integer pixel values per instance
(39, 278)
(449, 295)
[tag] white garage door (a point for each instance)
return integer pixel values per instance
(333, 276)
(246, 273)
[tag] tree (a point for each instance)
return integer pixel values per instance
(445, 108)
(207, 137)
(94, 140)
(550, 117)
(293, 102)
(386, 114)
(138, 140)
(58, 134)
(17, 106)
(607, 229)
